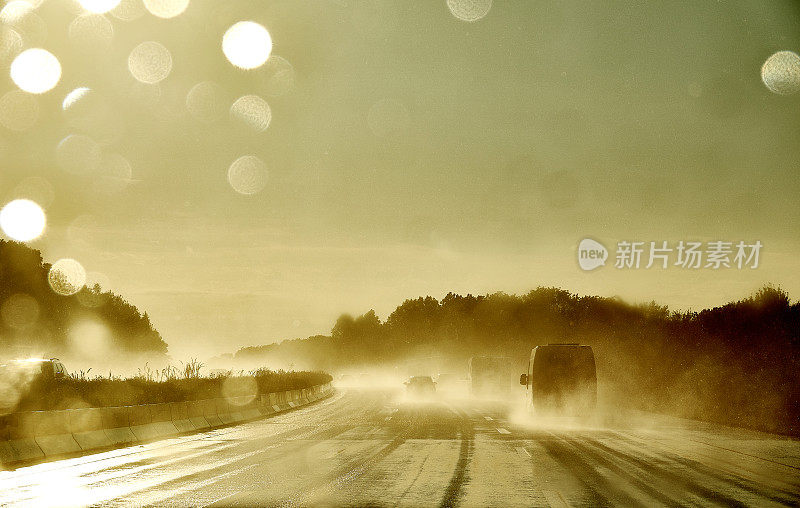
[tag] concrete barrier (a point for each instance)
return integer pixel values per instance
(116, 425)
(273, 401)
(52, 433)
(210, 413)
(86, 426)
(194, 408)
(21, 437)
(159, 425)
(35, 435)
(180, 417)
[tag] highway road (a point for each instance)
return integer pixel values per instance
(373, 448)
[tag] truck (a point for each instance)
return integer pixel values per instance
(561, 380)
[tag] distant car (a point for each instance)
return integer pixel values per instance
(420, 385)
(17, 377)
(31, 369)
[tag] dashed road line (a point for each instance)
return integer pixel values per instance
(523, 452)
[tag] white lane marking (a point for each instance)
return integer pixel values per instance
(555, 499)
(501, 430)
(156, 498)
(39, 495)
(523, 452)
(488, 418)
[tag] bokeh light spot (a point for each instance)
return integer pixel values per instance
(248, 175)
(22, 220)
(19, 111)
(253, 111)
(66, 276)
(247, 45)
(10, 45)
(78, 154)
(205, 101)
(98, 6)
(278, 76)
(91, 32)
(239, 391)
(166, 8)
(115, 174)
(35, 70)
(150, 62)
(781, 73)
(19, 311)
(20, 16)
(469, 10)
(128, 10)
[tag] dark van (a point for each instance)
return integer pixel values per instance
(561, 380)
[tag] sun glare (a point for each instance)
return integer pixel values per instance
(22, 219)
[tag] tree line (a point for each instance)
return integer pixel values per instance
(35, 318)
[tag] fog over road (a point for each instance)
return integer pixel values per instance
(372, 448)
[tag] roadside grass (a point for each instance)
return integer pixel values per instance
(151, 386)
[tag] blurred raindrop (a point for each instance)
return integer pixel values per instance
(78, 154)
(98, 6)
(115, 174)
(150, 62)
(278, 76)
(469, 10)
(18, 110)
(248, 175)
(781, 73)
(239, 391)
(387, 118)
(20, 16)
(90, 113)
(129, 10)
(82, 230)
(253, 111)
(22, 220)
(35, 70)
(74, 97)
(91, 32)
(90, 339)
(247, 45)
(10, 45)
(206, 101)
(66, 276)
(19, 311)
(166, 8)
(36, 189)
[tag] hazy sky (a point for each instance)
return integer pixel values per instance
(410, 153)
